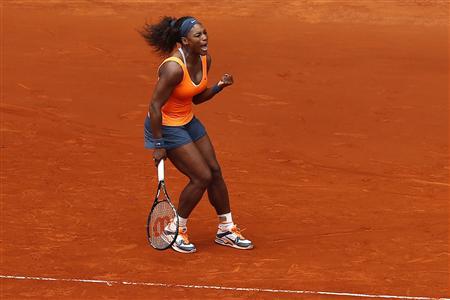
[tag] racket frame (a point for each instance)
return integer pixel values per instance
(161, 187)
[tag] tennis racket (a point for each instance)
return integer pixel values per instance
(161, 214)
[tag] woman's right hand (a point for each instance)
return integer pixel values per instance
(159, 154)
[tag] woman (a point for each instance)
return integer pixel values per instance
(172, 130)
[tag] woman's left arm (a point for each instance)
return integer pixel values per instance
(210, 92)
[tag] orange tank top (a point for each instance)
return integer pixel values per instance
(177, 111)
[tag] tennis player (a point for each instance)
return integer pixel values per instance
(172, 130)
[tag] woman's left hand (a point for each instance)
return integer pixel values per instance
(226, 80)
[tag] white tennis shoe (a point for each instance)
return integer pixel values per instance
(233, 238)
(182, 243)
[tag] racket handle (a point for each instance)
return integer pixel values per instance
(161, 170)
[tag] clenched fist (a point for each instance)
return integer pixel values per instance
(226, 80)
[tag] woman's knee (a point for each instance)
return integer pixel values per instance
(216, 172)
(203, 179)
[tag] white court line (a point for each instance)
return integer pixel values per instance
(189, 286)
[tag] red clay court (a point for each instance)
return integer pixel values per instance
(334, 142)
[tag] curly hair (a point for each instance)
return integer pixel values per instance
(163, 36)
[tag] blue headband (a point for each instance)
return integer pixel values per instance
(187, 25)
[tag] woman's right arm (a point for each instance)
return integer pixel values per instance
(170, 75)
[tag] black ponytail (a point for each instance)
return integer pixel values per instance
(164, 35)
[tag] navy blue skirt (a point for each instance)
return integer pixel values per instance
(175, 136)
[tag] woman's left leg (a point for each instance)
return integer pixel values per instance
(217, 189)
(227, 234)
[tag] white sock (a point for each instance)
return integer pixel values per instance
(225, 221)
(182, 223)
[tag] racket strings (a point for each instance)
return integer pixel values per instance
(161, 215)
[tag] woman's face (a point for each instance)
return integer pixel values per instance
(197, 39)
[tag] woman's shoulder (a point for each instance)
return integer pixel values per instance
(174, 59)
(171, 67)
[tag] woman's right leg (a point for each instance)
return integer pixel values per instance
(189, 161)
